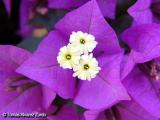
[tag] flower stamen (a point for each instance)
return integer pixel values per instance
(86, 66)
(26, 86)
(68, 57)
(19, 84)
(151, 69)
(82, 41)
(16, 79)
(155, 71)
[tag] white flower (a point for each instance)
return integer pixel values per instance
(83, 41)
(87, 69)
(68, 57)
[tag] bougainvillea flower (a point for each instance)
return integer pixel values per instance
(141, 66)
(18, 93)
(107, 7)
(145, 12)
(126, 110)
(28, 9)
(102, 91)
(130, 110)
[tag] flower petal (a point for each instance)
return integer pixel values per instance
(42, 66)
(105, 90)
(65, 4)
(144, 42)
(143, 91)
(93, 22)
(23, 103)
(48, 96)
(94, 115)
(141, 12)
(127, 65)
(6, 95)
(107, 7)
(130, 110)
(11, 57)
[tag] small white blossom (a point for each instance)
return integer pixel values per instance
(83, 41)
(68, 57)
(87, 69)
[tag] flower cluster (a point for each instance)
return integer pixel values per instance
(77, 56)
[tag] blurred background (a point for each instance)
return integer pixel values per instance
(10, 23)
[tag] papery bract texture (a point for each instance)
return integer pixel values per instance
(130, 110)
(104, 90)
(125, 110)
(15, 101)
(108, 7)
(145, 12)
(143, 41)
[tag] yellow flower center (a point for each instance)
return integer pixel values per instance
(68, 57)
(82, 41)
(86, 66)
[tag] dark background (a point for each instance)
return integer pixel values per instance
(9, 25)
